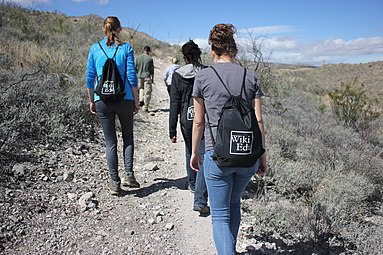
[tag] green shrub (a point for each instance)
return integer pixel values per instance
(352, 107)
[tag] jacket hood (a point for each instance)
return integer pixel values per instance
(188, 71)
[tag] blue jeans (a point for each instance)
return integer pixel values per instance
(196, 179)
(225, 186)
(106, 114)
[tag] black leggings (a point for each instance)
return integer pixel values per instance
(106, 113)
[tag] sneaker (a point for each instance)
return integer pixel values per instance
(203, 210)
(130, 181)
(114, 187)
(191, 188)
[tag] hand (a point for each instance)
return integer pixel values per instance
(136, 107)
(92, 108)
(173, 139)
(262, 165)
(195, 162)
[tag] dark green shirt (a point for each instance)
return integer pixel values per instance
(144, 66)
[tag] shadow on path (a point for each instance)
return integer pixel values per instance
(157, 185)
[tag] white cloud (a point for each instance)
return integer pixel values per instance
(291, 50)
(359, 46)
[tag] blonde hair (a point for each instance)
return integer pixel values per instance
(112, 27)
(222, 41)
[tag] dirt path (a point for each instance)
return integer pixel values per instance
(192, 234)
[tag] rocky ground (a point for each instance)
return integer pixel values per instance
(56, 201)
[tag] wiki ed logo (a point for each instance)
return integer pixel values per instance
(241, 142)
(108, 88)
(190, 113)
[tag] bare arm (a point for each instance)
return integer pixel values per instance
(92, 105)
(257, 104)
(197, 133)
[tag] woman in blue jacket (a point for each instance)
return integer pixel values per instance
(123, 109)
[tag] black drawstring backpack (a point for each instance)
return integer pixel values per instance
(110, 87)
(239, 141)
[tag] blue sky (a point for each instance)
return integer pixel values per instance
(294, 31)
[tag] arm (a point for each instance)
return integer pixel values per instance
(131, 75)
(166, 75)
(92, 105)
(175, 108)
(90, 79)
(197, 133)
(131, 72)
(136, 106)
(152, 70)
(257, 104)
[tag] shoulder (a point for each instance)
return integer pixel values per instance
(95, 46)
(125, 45)
(251, 75)
(205, 71)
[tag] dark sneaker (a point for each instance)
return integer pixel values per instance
(130, 181)
(114, 187)
(203, 210)
(191, 188)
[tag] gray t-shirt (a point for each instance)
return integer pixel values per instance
(208, 86)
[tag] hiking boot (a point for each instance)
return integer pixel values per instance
(203, 210)
(130, 181)
(114, 187)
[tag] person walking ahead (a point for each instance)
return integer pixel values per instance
(225, 184)
(124, 109)
(180, 92)
(145, 72)
(168, 74)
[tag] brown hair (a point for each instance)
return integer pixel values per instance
(112, 27)
(222, 41)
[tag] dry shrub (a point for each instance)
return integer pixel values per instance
(40, 111)
(344, 199)
(298, 179)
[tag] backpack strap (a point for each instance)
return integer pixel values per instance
(227, 89)
(118, 45)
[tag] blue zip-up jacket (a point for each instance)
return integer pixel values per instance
(125, 62)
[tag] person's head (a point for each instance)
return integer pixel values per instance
(174, 60)
(147, 49)
(192, 53)
(112, 29)
(222, 41)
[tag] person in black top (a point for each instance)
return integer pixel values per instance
(181, 106)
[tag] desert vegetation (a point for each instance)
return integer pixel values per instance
(323, 130)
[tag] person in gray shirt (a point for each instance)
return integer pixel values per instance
(225, 185)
